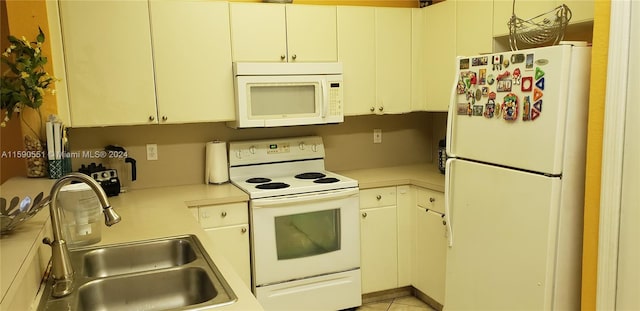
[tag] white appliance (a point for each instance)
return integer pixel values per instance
(305, 231)
(283, 94)
(515, 180)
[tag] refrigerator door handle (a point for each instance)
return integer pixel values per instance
(447, 201)
(452, 112)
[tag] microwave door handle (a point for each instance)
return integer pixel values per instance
(325, 98)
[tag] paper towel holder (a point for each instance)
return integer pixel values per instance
(216, 164)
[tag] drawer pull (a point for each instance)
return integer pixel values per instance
(432, 199)
(364, 215)
(379, 197)
(224, 214)
(243, 230)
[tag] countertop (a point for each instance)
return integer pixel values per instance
(163, 212)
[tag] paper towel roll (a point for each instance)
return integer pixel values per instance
(216, 168)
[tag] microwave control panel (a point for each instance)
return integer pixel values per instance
(335, 98)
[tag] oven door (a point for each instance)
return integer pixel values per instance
(299, 236)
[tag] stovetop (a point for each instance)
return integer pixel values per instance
(284, 166)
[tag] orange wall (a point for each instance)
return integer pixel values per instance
(594, 153)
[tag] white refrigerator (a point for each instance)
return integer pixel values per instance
(514, 192)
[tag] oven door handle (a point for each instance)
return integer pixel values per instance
(282, 201)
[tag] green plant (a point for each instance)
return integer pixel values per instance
(25, 82)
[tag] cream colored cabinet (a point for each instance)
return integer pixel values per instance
(582, 11)
(356, 52)
(192, 58)
(393, 60)
(228, 228)
(431, 244)
(440, 53)
(474, 29)
(109, 64)
(419, 48)
(406, 233)
(378, 239)
(264, 32)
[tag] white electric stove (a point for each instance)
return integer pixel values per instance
(304, 224)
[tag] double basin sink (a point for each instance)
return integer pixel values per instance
(164, 274)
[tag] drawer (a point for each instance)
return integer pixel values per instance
(429, 199)
(377, 197)
(214, 216)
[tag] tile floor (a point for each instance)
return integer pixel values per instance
(406, 303)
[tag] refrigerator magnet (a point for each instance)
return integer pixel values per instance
(464, 63)
(480, 61)
(529, 63)
(537, 94)
(485, 91)
(517, 58)
(503, 75)
(504, 86)
(540, 84)
(516, 76)
(462, 109)
(477, 110)
(489, 109)
(526, 108)
(526, 84)
(482, 76)
(497, 62)
(510, 107)
(539, 73)
(490, 79)
(461, 87)
(493, 95)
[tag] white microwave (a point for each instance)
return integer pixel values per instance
(284, 94)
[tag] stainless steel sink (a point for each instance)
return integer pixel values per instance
(171, 273)
(137, 257)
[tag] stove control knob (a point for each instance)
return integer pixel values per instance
(301, 146)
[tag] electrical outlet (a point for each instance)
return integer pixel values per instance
(152, 152)
(377, 136)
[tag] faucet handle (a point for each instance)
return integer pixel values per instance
(47, 241)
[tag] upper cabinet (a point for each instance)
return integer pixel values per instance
(582, 11)
(263, 32)
(193, 84)
(356, 51)
(108, 58)
(393, 60)
(440, 54)
(474, 30)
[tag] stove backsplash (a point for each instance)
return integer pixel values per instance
(406, 139)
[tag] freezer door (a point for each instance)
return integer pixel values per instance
(503, 238)
(517, 109)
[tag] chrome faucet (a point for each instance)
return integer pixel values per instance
(61, 270)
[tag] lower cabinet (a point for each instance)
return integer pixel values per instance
(431, 244)
(378, 239)
(227, 226)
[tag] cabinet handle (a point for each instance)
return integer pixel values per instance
(432, 200)
(364, 215)
(282, 57)
(164, 118)
(372, 109)
(243, 230)
(294, 56)
(151, 118)
(224, 214)
(379, 197)
(380, 108)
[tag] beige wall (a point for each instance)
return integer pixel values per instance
(406, 139)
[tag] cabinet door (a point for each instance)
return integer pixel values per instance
(356, 51)
(393, 60)
(419, 48)
(258, 32)
(109, 64)
(431, 200)
(378, 245)
(474, 27)
(441, 51)
(311, 33)
(431, 250)
(193, 83)
(233, 243)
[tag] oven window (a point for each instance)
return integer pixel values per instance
(293, 99)
(307, 234)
